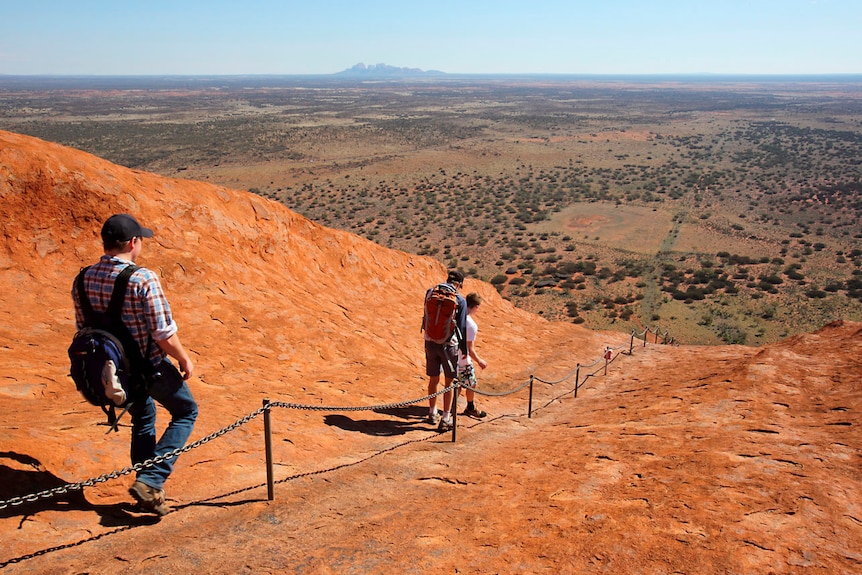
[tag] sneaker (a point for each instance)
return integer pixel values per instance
(433, 418)
(445, 425)
(149, 498)
(475, 413)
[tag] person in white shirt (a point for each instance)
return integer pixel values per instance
(466, 374)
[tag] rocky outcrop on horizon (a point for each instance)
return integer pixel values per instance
(385, 70)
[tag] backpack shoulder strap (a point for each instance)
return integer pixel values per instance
(115, 306)
(448, 288)
(86, 307)
(114, 312)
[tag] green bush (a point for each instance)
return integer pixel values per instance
(731, 333)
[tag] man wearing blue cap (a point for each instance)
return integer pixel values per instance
(147, 315)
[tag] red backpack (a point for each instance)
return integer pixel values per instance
(440, 306)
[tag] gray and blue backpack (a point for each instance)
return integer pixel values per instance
(106, 362)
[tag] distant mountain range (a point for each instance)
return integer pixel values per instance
(385, 71)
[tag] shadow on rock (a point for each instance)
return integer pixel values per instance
(405, 412)
(22, 475)
(377, 427)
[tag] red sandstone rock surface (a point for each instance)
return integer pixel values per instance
(679, 460)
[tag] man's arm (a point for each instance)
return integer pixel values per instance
(174, 348)
(159, 322)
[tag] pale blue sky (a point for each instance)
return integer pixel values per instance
(119, 37)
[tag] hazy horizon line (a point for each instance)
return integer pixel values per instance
(153, 81)
(428, 73)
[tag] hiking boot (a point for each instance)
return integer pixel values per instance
(149, 498)
(478, 413)
(432, 418)
(445, 425)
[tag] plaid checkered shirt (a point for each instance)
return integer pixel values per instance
(146, 311)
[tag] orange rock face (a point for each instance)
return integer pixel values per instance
(678, 460)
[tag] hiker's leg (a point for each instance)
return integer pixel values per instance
(450, 371)
(174, 395)
(143, 412)
(433, 382)
(432, 370)
(469, 381)
(447, 397)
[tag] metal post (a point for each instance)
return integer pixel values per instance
(454, 412)
(577, 378)
(530, 403)
(267, 434)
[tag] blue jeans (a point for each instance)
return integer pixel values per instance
(172, 393)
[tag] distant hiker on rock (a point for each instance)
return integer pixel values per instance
(466, 375)
(444, 323)
(146, 315)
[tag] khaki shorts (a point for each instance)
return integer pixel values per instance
(441, 356)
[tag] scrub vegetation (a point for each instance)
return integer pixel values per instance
(722, 211)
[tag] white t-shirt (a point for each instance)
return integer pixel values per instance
(472, 329)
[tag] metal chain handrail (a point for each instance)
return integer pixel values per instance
(70, 487)
(359, 408)
(500, 393)
(555, 382)
(63, 489)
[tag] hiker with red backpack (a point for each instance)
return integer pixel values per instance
(146, 315)
(444, 323)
